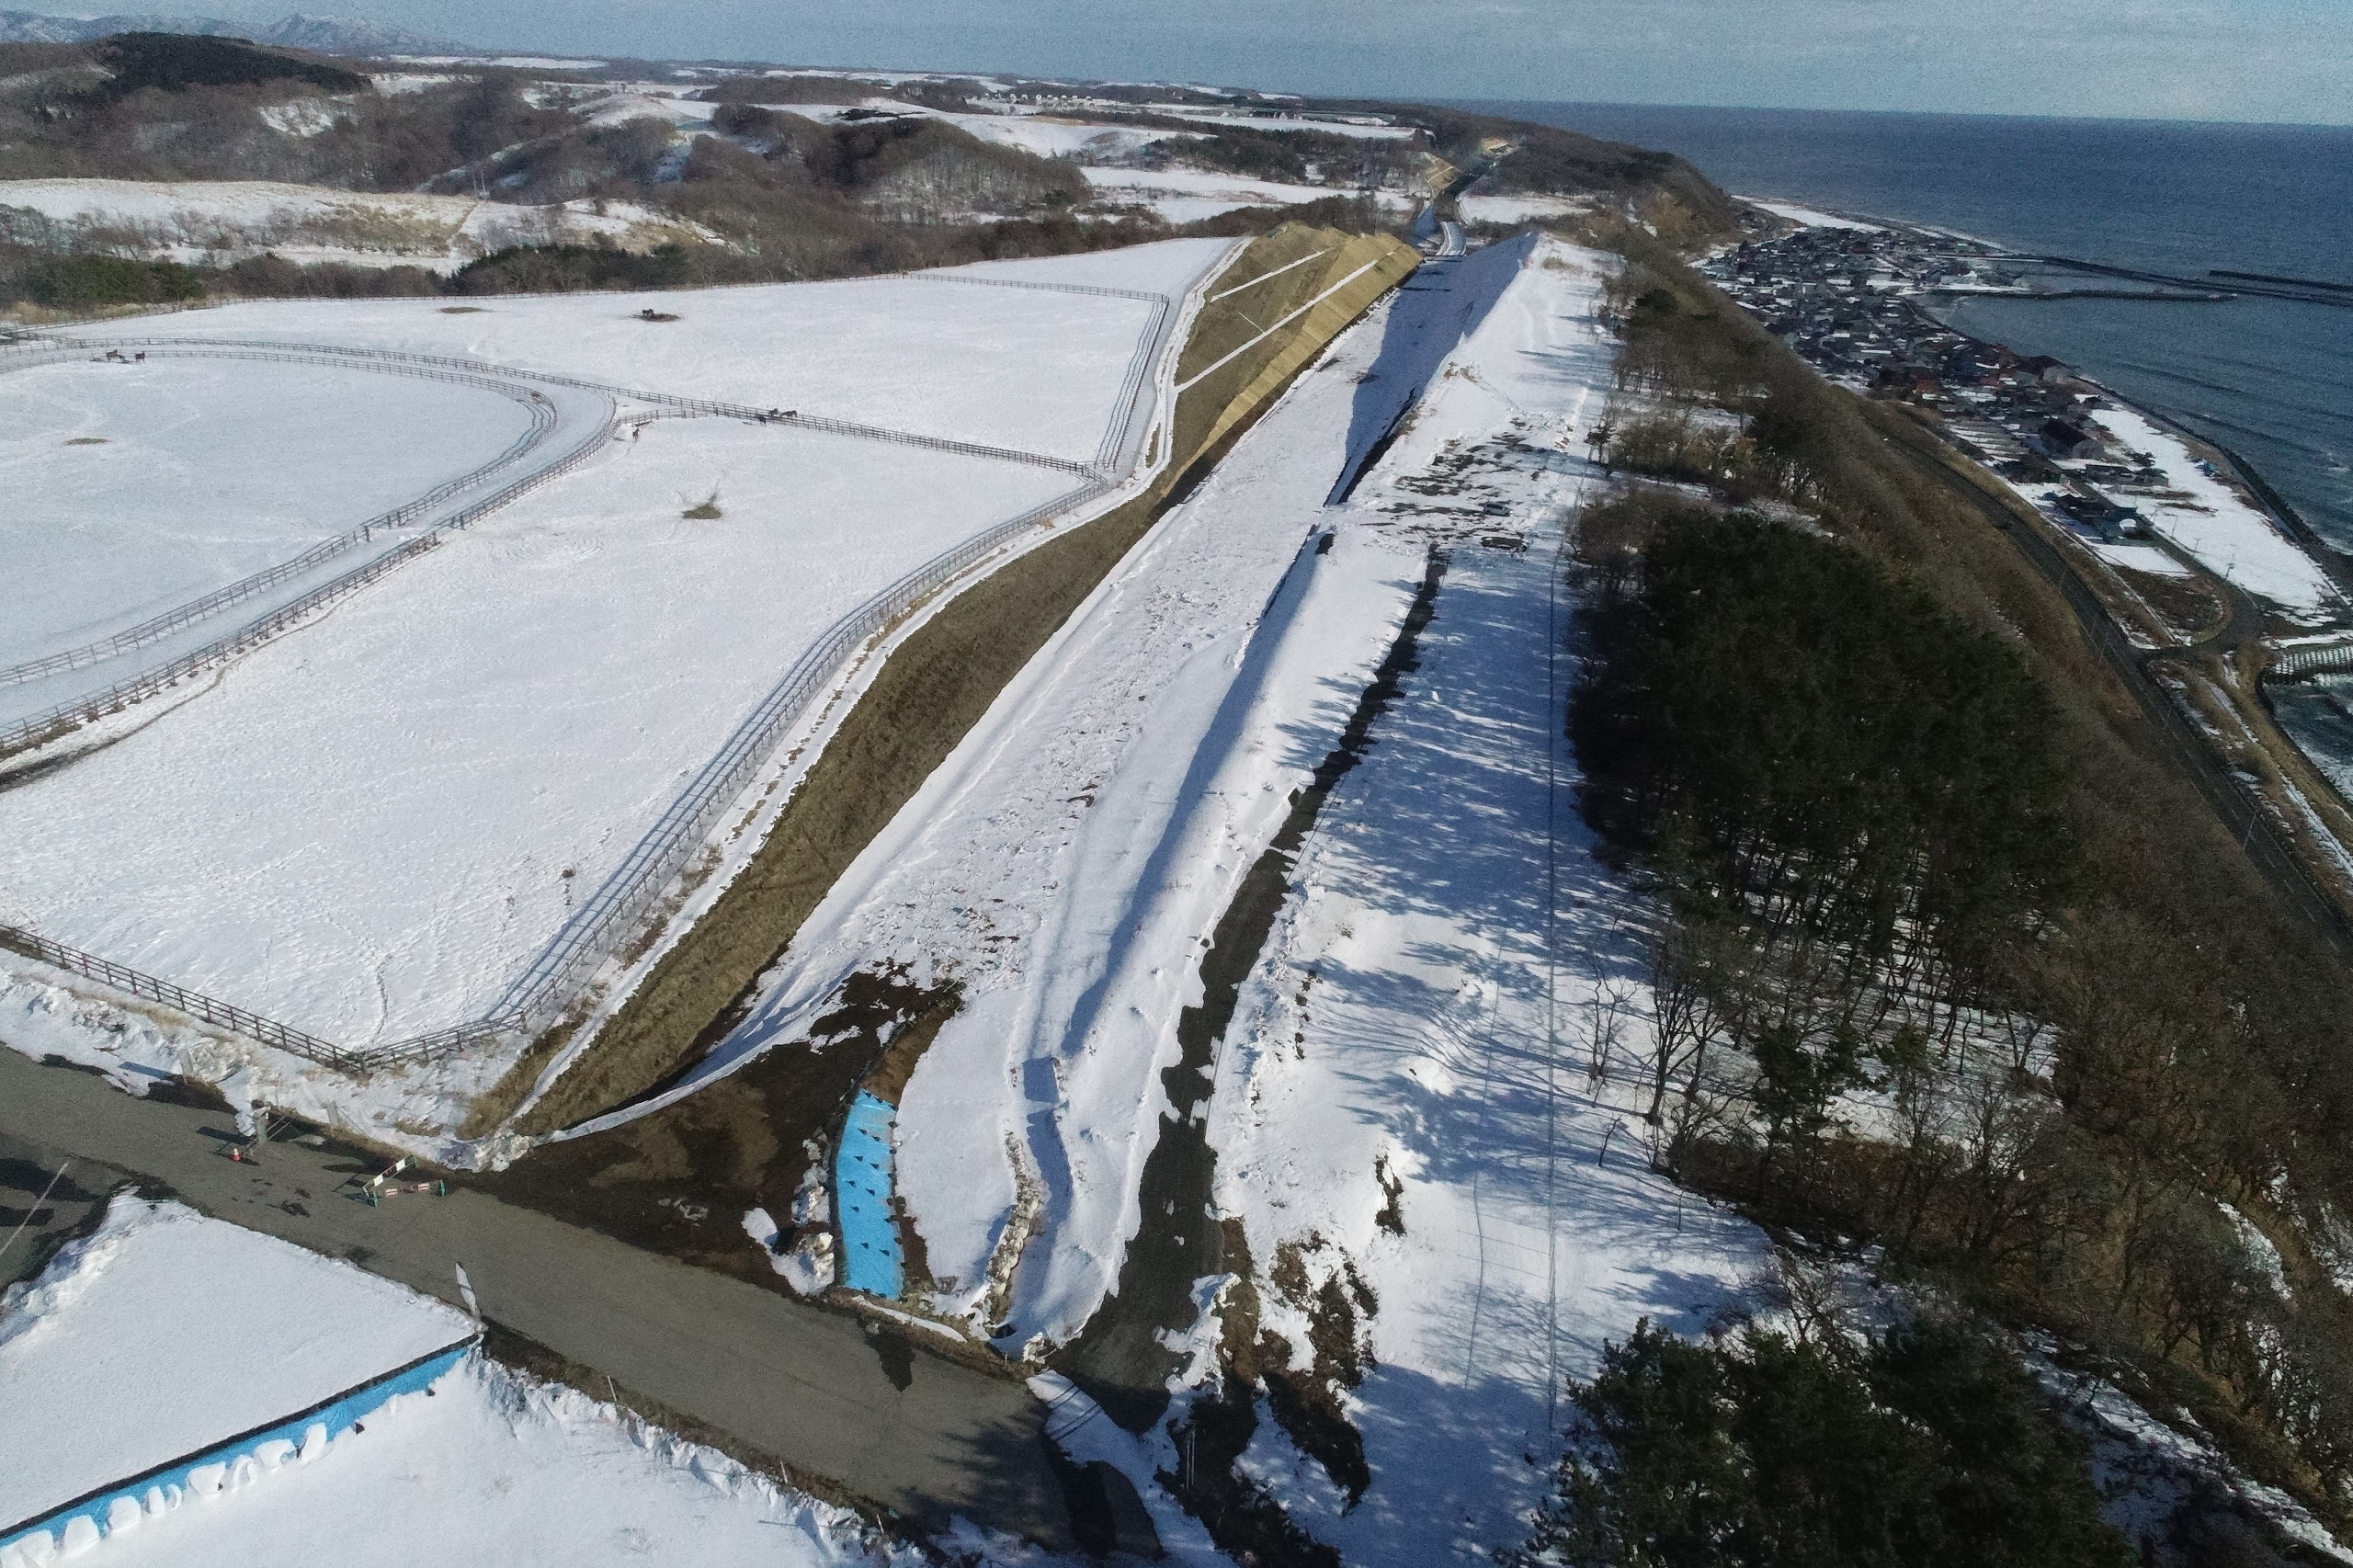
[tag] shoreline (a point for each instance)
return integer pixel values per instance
(2334, 563)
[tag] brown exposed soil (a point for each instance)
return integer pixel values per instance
(678, 1180)
(1242, 1517)
(2189, 608)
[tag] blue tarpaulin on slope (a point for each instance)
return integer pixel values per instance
(872, 1261)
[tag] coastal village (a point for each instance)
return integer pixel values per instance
(1851, 300)
(1848, 300)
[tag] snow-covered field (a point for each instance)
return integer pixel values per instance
(1084, 831)
(166, 1334)
(1181, 196)
(193, 220)
(1518, 209)
(1184, 196)
(135, 488)
(2214, 523)
(1031, 369)
(366, 827)
(371, 823)
(257, 1330)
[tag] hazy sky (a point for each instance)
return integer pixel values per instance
(2276, 60)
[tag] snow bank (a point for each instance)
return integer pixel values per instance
(217, 1329)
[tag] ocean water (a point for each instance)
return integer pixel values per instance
(2271, 379)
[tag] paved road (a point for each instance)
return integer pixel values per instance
(887, 1420)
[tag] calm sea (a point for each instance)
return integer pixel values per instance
(2271, 379)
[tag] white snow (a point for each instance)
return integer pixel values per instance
(1037, 370)
(1809, 217)
(1519, 208)
(1419, 1024)
(1182, 196)
(2143, 558)
(169, 1332)
(203, 472)
(2212, 521)
(212, 220)
(165, 1333)
(373, 821)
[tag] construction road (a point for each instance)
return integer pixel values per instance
(877, 1414)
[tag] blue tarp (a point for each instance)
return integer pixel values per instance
(872, 1261)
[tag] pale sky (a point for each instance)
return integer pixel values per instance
(2256, 59)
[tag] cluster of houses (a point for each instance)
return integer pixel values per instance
(1849, 302)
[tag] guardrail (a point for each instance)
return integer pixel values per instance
(1140, 365)
(213, 603)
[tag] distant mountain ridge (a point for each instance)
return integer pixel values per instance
(322, 35)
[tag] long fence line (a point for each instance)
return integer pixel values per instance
(148, 682)
(1097, 290)
(203, 609)
(139, 983)
(697, 405)
(631, 890)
